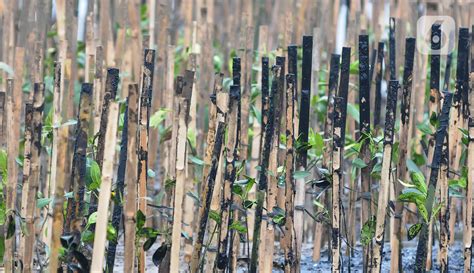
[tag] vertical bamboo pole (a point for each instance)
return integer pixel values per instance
(58, 207)
(185, 99)
(57, 108)
(382, 204)
(395, 237)
(470, 163)
(105, 190)
(75, 207)
(291, 262)
(98, 82)
(146, 85)
(2, 118)
(33, 185)
(231, 153)
(263, 176)
(340, 114)
(327, 154)
(364, 130)
(421, 251)
(131, 167)
(303, 131)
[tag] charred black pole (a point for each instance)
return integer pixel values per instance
(263, 175)
(378, 85)
(420, 263)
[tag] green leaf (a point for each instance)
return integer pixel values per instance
(418, 179)
(317, 142)
(411, 195)
(149, 243)
(412, 167)
(301, 174)
(5, 67)
(354, 67)
(368, 231)
(353, 111)
(436, 210)
(214, 215)
(94, 173)
(92, 218)
(43, 202)
(358, 163)
(196, 160)
(237, 226)
(150, 173)
(248, 204)
(158, 117)
(141, 218)
(422, 209)
(87, 236)
(425, 128)
(414, 230)
(111, 233)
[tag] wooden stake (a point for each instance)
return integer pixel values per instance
(421, 252)
(390, 116)
(75, 207)
(34, 183)
(185, 99)
(395, 238)
(100, 237)
(378, 86)
(131, 197)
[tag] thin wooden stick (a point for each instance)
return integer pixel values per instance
(185, 100)
(105, 190)
(421, 251)
(470, 163)
(303, 131)
(289, 232)
(2, 118)
(327, 159)
(146, 86)
(263, 176)
(58, 204)
(75, 207)
(131, 197)
(395, 238)
(231, 152)
(34, 183)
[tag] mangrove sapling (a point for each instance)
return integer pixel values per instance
(264, 162)
(100, 238)
(303, 128)
(229, 178)
(289, 231)
(364, 129)
(421, 251)
(146, 86)
(327, 161)
(131, 174)
(119, 190)
(385, 177)
(378, 86)
(185, 101)
(34, 178)
(339, 132)
(395, 238)
(75, 206)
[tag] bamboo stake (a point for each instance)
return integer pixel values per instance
(33, 185)
(231, 157)
(327, 159)
(421, 251)
(119, 191)
(364, 129)
(2, 118)
(395, 237)
(105, 190)
(185, 99)
(98, 83)
(470, 163)
(291, 262)
(131, 197)
(75, 207)
(340, 114)
(392, 45)
(263, 176)
(378, 86)
(146, 86)
(58, 204)
(390, 116)
(303, 128)
(211, 178)
(57, 108)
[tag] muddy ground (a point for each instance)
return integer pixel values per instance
(456, 259)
